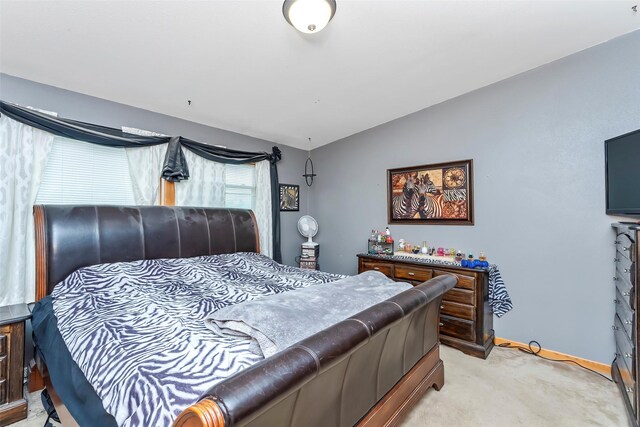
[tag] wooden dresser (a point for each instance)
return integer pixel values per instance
(466, 319)
(13, 405)
(625, 325)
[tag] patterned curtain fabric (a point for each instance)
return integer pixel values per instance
(175, 166)
(23, 157)
(263, 211)
(145, 168)
(205, 186)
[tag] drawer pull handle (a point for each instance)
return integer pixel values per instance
(629, 390)
(615, 328)
(441, 324)
(626, 248)
(615, 242)
(615, 301)
(627, 355)
(616, 260)
(626, 294)
(627, 270)
(411, 273)
(442, 306)
(628, 322)
(615, 279)
(376, 268)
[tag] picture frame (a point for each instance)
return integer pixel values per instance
(289, 198)
(438, 193)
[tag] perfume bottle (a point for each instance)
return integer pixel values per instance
(425, 249)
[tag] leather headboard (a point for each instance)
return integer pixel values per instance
(71, 237)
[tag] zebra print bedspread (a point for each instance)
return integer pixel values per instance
(137, 330)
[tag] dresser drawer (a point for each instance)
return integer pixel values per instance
(461, 296)
(4, 372)
(625, 245)
(625, 291)
(462, 311)
(457, 328)
(464, 281)
(624, 268)
(13, 406)
(626, 314)
(413, 273)
(382, 267)
(627, 380)
(625, 348)
(625, 288)
(3, 392)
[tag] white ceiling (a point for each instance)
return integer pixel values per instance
(246, 70)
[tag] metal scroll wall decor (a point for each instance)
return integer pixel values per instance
(308, 168)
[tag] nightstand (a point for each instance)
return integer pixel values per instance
(13, 405)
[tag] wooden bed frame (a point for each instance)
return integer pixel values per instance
(367, 370)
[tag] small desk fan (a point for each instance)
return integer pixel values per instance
(308, 227)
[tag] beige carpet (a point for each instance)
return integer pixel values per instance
(510, 388)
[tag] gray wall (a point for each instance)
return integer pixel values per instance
(537, 145)
(85, 108)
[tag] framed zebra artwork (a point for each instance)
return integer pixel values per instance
(289, 198)
(440, 193)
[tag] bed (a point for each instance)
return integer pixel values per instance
(367, 370)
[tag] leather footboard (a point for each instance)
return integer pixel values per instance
(336, 376)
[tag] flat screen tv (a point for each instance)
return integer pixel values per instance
(622, 163)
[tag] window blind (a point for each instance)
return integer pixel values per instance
(240, 186)
(82, 173)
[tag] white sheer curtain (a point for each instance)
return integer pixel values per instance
(145, 168)
(262, 208)
(23, 157)
(205, 186)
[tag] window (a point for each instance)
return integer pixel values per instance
(240, 186)
(83, 173)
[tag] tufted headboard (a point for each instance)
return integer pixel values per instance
(71, 237)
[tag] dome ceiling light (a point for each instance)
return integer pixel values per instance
(309, 16)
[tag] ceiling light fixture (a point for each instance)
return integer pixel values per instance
(309, 16)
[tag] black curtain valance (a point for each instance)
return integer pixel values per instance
(175, 166)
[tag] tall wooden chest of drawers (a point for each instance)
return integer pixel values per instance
(13, 405)
(625, 325)
(466, 318)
